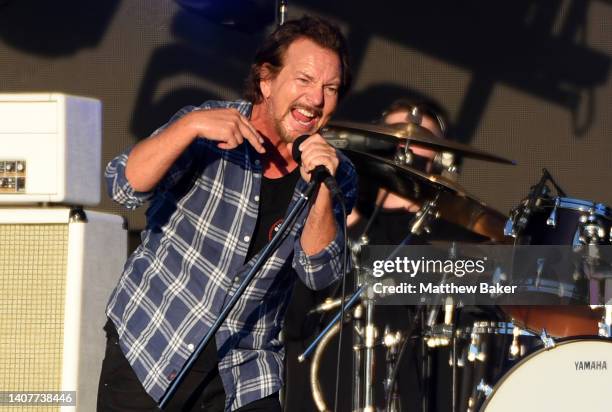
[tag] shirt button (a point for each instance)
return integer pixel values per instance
(256, 198)
(190, 347)
(257, 162)
(237, 279)
(247, 238)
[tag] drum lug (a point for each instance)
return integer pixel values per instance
(591, 231)
(605, 330)
(605, 325)
(485, 388)
(548, 342)
(475, 350)
(509, 228)
(552, 219)
(515, 347)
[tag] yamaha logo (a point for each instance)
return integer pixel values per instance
(591, 365)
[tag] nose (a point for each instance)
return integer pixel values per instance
(315, 96)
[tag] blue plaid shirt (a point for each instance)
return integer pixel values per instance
(192, 258)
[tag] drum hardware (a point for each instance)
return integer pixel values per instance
(591, 230)
(477, 349)
(486, 355)
(416, 116)
(544, 219)
(352, 301)
(459, 361)
(552, 219)
(484, 388)
(547, 340)
(357, 337)
(515, 348)
(444, 164)
(520, 216)
(370, 336)
(439, 335)
(327, 305)
(424, 216)
(367, 332)
(317, 393)
(392, 342)
(605, 324)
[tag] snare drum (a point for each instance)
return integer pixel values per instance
(574, 375)
(560, 221)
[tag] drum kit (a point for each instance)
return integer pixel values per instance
(502, 358)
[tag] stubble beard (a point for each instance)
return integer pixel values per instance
(284, 134)
(278, 124)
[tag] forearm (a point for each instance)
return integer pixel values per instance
(320, 227)
(150, 159)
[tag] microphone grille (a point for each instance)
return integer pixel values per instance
(295, 150)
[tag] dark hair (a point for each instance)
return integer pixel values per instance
(427, 107)
(272, 51)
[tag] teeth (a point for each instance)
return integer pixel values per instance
(305, 112)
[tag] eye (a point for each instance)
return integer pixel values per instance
(302, 80)
(331, 90)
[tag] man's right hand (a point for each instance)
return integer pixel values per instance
(226, 126)
(151, 158)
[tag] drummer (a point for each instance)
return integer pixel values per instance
(391, 223)
(428, 115)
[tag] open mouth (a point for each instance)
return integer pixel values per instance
(306, 118)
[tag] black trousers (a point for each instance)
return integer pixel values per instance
(119, 389)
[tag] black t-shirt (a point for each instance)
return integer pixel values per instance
(274, 199)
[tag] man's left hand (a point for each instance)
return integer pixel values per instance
(316, 151)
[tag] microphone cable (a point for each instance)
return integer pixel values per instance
(343, 299)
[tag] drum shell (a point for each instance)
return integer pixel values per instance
(553, 379)
(560, 319)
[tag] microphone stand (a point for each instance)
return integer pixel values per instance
(263, 257)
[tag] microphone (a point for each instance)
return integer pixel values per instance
(320, 173)
(359, 142)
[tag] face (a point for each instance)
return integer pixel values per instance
(301, 98)
(427, 122)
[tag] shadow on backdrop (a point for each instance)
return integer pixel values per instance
(535, 47)
(216, 56)
(55, 28)
(368, 105)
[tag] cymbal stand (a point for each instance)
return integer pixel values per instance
(363, 399)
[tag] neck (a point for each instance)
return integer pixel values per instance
(277, 161)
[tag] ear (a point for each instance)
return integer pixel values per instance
(265, 80)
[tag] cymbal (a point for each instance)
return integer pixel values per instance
(454, 203)
(383, 139)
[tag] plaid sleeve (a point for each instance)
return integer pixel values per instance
(320, 270)
(120, 189)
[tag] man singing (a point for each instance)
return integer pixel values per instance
(220, 178)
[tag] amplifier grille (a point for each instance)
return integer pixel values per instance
(32, 295)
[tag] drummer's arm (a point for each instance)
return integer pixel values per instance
(353, 218)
